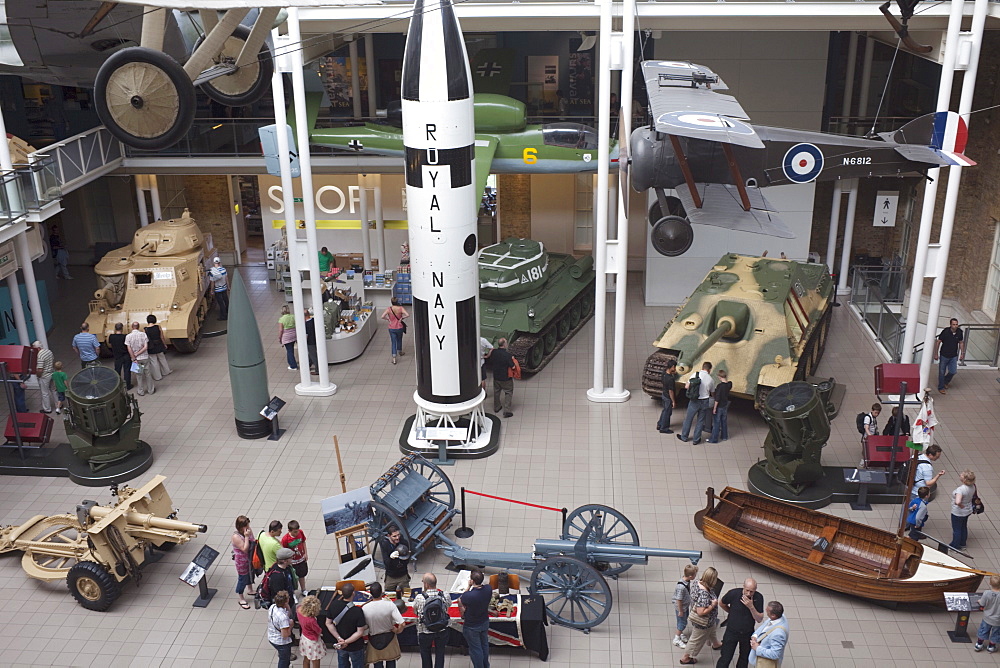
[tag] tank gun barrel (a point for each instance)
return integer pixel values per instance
(726, 326)
(149, 520)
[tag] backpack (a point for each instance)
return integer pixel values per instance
(434, 615)
(694, 386)
(257, 556)
(264, 595)
(515, 373)
(860, 419)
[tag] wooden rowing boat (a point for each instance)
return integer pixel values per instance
(831, 552)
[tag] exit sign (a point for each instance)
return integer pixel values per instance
(297, 200)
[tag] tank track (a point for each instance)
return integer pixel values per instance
(652, 373)
(520, 346)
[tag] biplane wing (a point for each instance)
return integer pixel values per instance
(685, 102)
(221, 5)
(721, 208)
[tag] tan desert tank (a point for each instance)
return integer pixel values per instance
(162, 273)
(764, 320)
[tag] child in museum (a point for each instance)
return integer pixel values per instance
(682, 601)
(295, 540)
(989, 628)
(918, 513)
(59, 380)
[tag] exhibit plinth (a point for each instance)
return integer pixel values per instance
(833, 487)
(61, 462)
(607, 396)
(464, 430)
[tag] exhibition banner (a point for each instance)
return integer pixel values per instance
(8, 331)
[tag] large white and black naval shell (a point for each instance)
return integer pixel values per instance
(439, 138)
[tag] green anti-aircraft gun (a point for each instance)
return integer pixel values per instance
(533, 298)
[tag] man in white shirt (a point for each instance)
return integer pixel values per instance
(698, 408)
(138, 349)
(382, 617)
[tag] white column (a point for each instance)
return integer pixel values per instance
(845, 260)
(852, 63)
(370, 69)
(352, 49)
(20, 324)
(831, 241)
(34, 303)
(325, 387)
(383, 259)
(140, 198)
(601, 212)
(366, 235)
(154, 195)
(930, 190)
(951, 197)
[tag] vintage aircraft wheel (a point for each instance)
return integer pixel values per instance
(549, 340)
(575, 314)
(672, 236)
(381, 518)
(247, 84)
(614, 529)
(563, 327)
(145, 98)
(93, 587)
(674, 208)
(575, 594)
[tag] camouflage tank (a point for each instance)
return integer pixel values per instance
(765, 321)
(162, 273)
(535, 299)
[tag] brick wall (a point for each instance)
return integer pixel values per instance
(210, 206)
(514, 205)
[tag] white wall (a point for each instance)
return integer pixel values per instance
(780, 79)
(552, 211)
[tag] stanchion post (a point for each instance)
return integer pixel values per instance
(464, 531)
(564, 513)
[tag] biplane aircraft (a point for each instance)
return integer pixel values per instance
(701, 145)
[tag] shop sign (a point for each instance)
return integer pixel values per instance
(329, 199)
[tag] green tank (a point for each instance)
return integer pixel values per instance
(535, 299)
(764, 320)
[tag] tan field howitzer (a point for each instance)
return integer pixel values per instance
(99, 547)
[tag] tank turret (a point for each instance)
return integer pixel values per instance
(533, 298)
(161, 273)
(763, 320)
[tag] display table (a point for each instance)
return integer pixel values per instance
(345, 346)
(525, 627)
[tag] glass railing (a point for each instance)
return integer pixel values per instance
(880, 313)
(12, 199)
(982, 344)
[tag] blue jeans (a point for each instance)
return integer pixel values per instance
(947, 368)
(668, 410)
(396, 339)
(696, 408)
(284, 655)
(347, 659)
(987, 631)
(478, 639)
(959, 530)
(432, 658)
(242, 582)
(720, 423)
(290, 352)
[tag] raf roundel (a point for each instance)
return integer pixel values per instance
(802, 163)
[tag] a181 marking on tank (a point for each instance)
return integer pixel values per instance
(161, 273)
(764, 320)
(535, 299)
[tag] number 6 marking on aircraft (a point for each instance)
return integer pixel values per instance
(530, 156)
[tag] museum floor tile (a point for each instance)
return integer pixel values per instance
(558, 450)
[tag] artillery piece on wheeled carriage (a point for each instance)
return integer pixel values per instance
(99, 547)
(569, 573)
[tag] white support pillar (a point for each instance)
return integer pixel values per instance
(930, 190)
(951, 195)
(383, 259)
(324, 388)
(370, 70)
(154, 196)
(34, 303)
(20, 324)
(366, 235)
(852, 63)
(831, 241)
(845, 260)
(352, 50)
(140, 199)
(597, 392)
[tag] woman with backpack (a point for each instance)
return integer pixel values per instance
(395, 314)
(243, 544)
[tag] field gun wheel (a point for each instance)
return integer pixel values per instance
(575, 594)
(563, 327)
(382, 517)
(614, 529)
(249, 83)
(549, 341)
(441, 491)
(64, 536)
(92, 586)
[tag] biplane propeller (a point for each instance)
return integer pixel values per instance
(701, 145)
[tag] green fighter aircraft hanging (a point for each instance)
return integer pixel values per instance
(505, 142)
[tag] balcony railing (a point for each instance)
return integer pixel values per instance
(877, 296)
(73, 162)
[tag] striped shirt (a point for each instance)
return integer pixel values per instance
(218, 275)
(46, 362)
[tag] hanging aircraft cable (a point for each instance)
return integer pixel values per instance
(888, 77)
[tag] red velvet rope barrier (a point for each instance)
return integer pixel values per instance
(523, 503)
